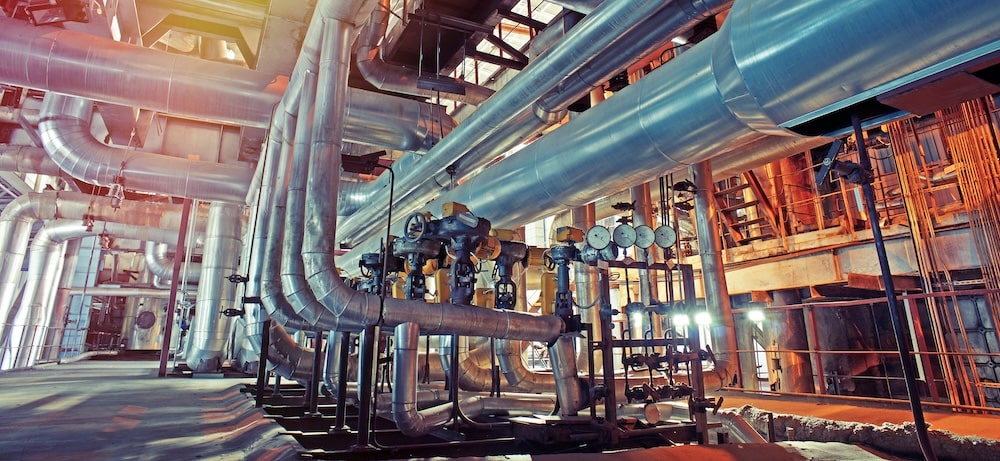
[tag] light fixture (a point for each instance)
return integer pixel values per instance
(703, 319)
(681, 320)
(756, 315)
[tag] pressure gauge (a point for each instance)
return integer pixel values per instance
(644, 236)
(665, 237)
(624, 235)
(598, 237)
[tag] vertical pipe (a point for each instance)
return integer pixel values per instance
(642, 214)
(897, 324)
(61, 303)
(210, 329)
(175, 279)
(712, 270)
(585, 280)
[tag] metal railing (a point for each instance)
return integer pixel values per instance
(850, 353)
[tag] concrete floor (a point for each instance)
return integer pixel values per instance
(120, 410)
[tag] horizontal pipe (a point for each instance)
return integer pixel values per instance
(27, 160)
(65, 131)
(86, 66)
(162, 266)
(703, 103)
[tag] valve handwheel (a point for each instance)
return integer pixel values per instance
(414, 227)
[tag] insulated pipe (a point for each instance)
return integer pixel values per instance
(210, 329)
(592, 35)
(585, 282)
(62, 298)
(693, 108)
(162, 265)
(400, 79)
(524, 114)
(713, 275)
(293, 281)
(36, 315)
(80, 64)
(286, 358)
(18, 215)
(65, 131)
(27, 159)
(345, 307)
(161, 293)
(272, 215)
(580, 6)
(413, 422)
(91, 67)
(569, 387)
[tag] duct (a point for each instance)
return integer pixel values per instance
(19, 214)
(713, 273)
(676, 115)
(346, 306)
(91, 67)
(162, 265)
(512, 118)
(27, 159)
(412, 422)
(210, 329)
(65, 130)
(509, 353)
(35, 315)
(760, 153)
(399, 79)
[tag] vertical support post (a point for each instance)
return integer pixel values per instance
(694, 343)
(366, 383)
(168, 327)
(265, 344)
(312, 399)
(897, 324)
(340, 416)
(607, 355)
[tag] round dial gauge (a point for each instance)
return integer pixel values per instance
(598, 237)
(665, 236)
(644, 236)
(624, 235)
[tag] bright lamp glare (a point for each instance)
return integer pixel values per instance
(681, 320)
(702, 318)
(756, 315)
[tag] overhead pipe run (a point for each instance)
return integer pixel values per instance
(87, 66)
(699, 105)
(583, 42)
(525, 107)
(400, 79)
(65, 131)
(27, 159)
